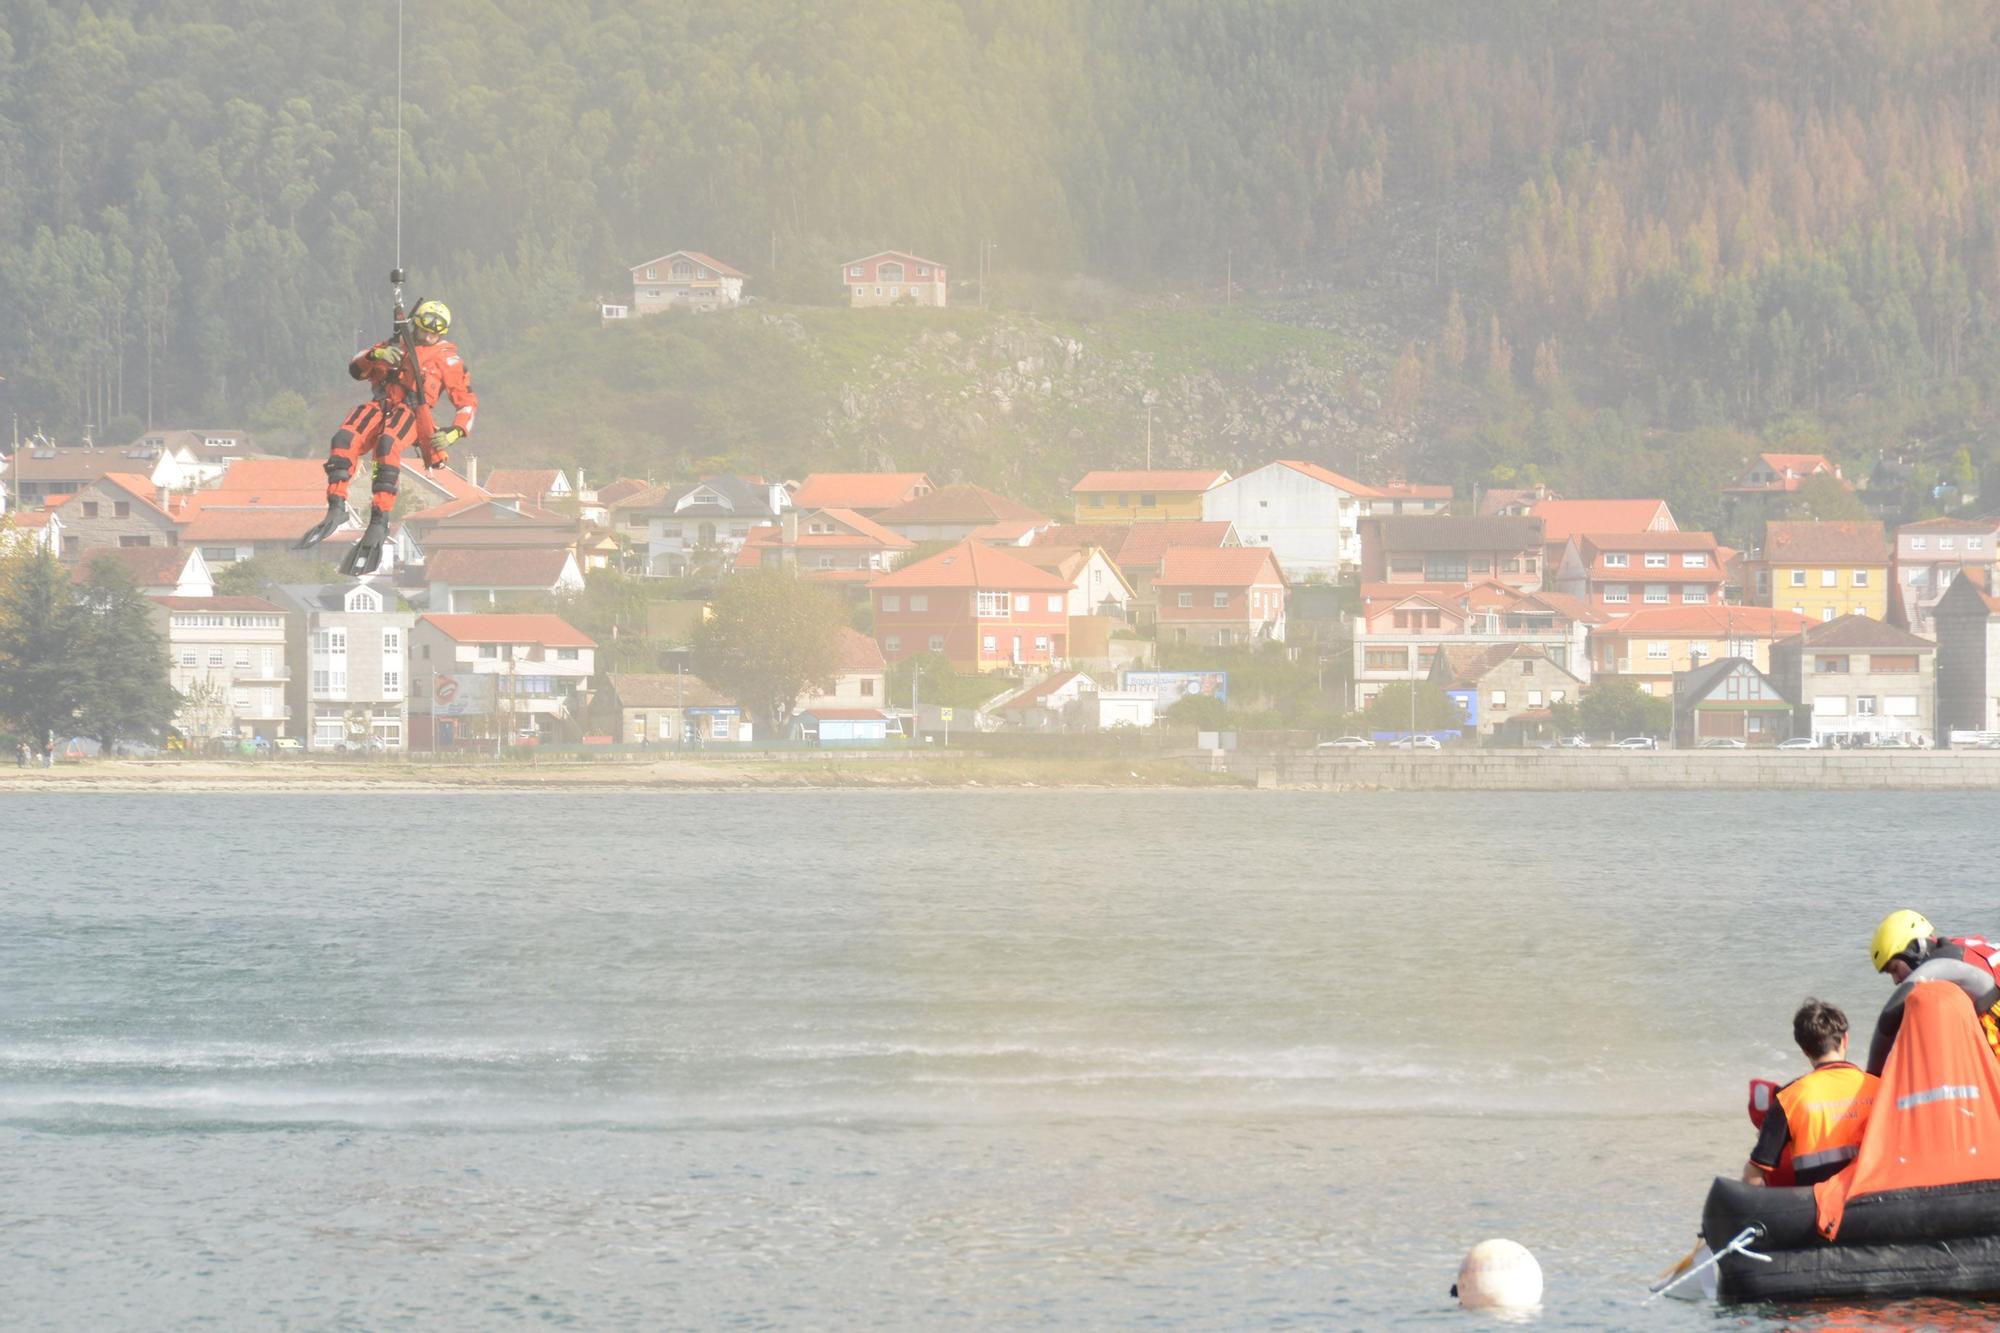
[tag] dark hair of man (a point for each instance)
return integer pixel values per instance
(1818, 1027)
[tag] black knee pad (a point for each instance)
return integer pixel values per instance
(387, 478)
(340, 467)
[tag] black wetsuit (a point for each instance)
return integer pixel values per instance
(1946, 963)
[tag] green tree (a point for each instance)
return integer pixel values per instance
(1390, 710)
(939, 682)
(1203, 712)
(1824, 497)
(253, 577)
(771, 638)
(41, 633)
(1618, 707)
(125, 691)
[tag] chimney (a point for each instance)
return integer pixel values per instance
(780, 499)
(472, 469)
(789, 524)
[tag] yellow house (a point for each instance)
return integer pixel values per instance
(1143, 496)
(1823, 570)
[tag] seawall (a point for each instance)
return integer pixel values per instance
(1621, 770)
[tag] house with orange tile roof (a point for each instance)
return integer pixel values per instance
(1858, 680)
(1618, 572)
(827, 545)
(233, 526)
(1823, 569)
(527, 676)
(1967, 618)
(1096, 587)
(1137, 549)
(861, 680)
(1401, 627)
(985, 609)
(1220, 598)
(1652, 645)
(159, 571)
(1930, 556)
(685, 280)
(536, 485)
(1308, 516)
(478, 579)
(1563, 519)
(42, 527)
(1409, 497)
(1780, 474)
(1144, 495)
(117, 509)
(867, 493)
(953, 513)
(1449, 549)
(894, 277)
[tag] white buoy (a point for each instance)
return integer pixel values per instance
(1499, 1275)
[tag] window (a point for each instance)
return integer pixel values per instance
(826, 562)
(891, 602)
(1617, 560)
(1947, 543)
(1763, 583)
(920, 601)
(1657, 651)
(1534, 698)
(1693, 594)
(1656, 559)
(1498, 699)
(121, 509)
(1826, 613)
(1920, 543)
(854, 270)
(242, 659)
(892, 643)
(129, 540)
(1975, 543)
(991, 643)
(363, 601)
(489, 650)
(1021, 601)
(1529, 564)
(895, 291)
(1617, 594)
(1798, 578)
(214, 658)
(1897, 664)
(1445, 568)
(1864, 705)
(568, 655)
(1829, 666)
(392, 664)
(240, 700)
(90, 509)
(1185, 601)
(1645, 687)
(1222, 601)
(1860, 578)
(188, 659)
(923, 270)
(868, 684)
(1387, 659)
(1042, 644)
(1900, 705)
(1511, 565)
(937, 643)
(1147, 500)
(1694, 560)
(1656, 594)
(992, 606)
(1829, 578)
(1055, 602)
(1482, 564)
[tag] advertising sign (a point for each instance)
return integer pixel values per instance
(461, 695)
(1468, 704)
(1170, 687)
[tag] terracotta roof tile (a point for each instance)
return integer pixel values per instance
(1563, 518)
(1332, 478)
(1708, 622)
(858, 490)
(149, 566)
(962, 503)
(1833, 542)
(499, 627)
(273, 474)
(859, 652)
(488, 568)
(1231, 567)
(1183, 480)
(665, 690)
(972, 564)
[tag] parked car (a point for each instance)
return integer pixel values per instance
(288, 745)
(1722, 743)
(1636, 743)
(1346, 743)
(1799, 743)
(1573, 743)
(1417, 743)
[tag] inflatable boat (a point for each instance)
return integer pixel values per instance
(1918, 1211)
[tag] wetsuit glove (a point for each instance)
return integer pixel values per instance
(388, 354)
(439, 445)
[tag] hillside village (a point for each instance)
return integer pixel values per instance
(1162, 598)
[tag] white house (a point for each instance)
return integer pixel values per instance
(708, 519)
(351, 644)
(521, 676)
(473, 579)
(686, 280)
(226, 658)
(1308, 516)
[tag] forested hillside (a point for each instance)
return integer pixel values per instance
(1583, 241)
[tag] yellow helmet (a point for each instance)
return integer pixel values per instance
(433, 317)
(1898, 931)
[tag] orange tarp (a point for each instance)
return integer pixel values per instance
(1937, 1113)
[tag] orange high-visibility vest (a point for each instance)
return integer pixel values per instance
(1826, 1111)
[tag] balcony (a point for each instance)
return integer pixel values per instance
(255, 675)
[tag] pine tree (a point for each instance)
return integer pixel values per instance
(124, 689)
(41, 629)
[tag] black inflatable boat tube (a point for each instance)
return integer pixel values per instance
(1940, 1241)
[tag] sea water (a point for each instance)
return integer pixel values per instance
(1044, 1059)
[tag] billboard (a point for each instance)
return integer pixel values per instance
(460, 695)
(1170, 687)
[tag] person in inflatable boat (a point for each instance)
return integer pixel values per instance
(1907, 949)
(1815, 1128)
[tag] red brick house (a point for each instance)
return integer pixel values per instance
(982, 608)
(1622, 572)
(826, 545)
(1220, 597)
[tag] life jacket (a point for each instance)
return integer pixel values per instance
(1976, 949)
(1826, 1111)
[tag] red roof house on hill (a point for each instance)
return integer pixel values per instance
(1220, 597)
(952, 513)
(982, 608)
(863, 492)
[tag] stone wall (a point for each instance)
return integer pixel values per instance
(1620, 770)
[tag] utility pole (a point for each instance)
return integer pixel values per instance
(1149, 437)
(1229, 278)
